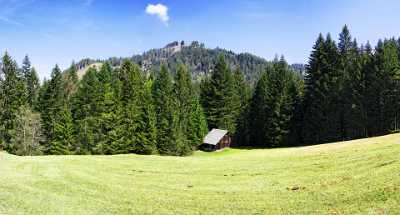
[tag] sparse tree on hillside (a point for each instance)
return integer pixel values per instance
(28, 134)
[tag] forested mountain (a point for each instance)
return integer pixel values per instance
(199, 60)
(346, 91)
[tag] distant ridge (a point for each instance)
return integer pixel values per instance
(199, 59)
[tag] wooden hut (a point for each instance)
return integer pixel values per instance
(216, 139)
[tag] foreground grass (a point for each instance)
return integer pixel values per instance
(356, 177)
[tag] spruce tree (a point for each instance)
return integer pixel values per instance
(33, 86)
(241, 104)
(165, 108)
(86, 110)
(217, 98)
(138, 119)
(190, 114)
(258, 115)
(273, 106)
(14, 96)
(314, 123)
(388, 71)
(333, 104)
(367, 93)
(26, 68)
(63, 142)
(109, 112)
(348, 87)
(52, 105)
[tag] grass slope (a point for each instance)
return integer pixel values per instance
(356, 177)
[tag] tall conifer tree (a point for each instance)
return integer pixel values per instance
(52, 108)
(14, 96)
(165, 110)
(190, 114)
(218, 95)
(138, 114)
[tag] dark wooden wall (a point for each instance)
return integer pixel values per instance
(225, 142)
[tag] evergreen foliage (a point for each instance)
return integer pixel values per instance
(348, 91)
(273, 106)
(218, 98)
(52, 106)
(13, 97)
(138, 120)
(165, 108)
(191, 117)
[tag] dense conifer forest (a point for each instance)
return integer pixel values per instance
(348, 91)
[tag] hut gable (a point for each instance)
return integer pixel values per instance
(216, 139)
(214, 136)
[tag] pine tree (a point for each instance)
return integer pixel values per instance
(197, 126)
(165, 108)
(367, 93)
(147, 132)
(242, 98)
(273, 106)
(333, 106)
(2, 97)
(348, 87)
(287, 94)
(190, 114)
(295, 104)
(388, 70)
(63, 142)
(138, 113)
(26, 68)
(33, 87)
(258, 114)
(108, 119)
(14, 96)
(314, 124)
(85, 109)
(217, 98)
(52, 105)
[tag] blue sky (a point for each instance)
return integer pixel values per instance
(65, 30)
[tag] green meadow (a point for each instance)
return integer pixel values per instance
(355, 177)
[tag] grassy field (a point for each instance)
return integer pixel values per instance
(356, 177)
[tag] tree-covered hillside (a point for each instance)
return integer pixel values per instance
(349, 91)
(199, 60)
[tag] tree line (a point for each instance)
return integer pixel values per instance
(348, 91)
(109, 111)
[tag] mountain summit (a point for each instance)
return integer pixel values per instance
(199, 59)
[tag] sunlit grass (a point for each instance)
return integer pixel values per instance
(356, 177)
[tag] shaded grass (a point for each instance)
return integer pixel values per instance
(355, 177)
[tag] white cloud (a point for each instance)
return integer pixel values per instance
(159, 10)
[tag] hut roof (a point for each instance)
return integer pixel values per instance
(214, 136)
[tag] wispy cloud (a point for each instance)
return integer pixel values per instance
(10, 21)
(9, 8)
(159, 10)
